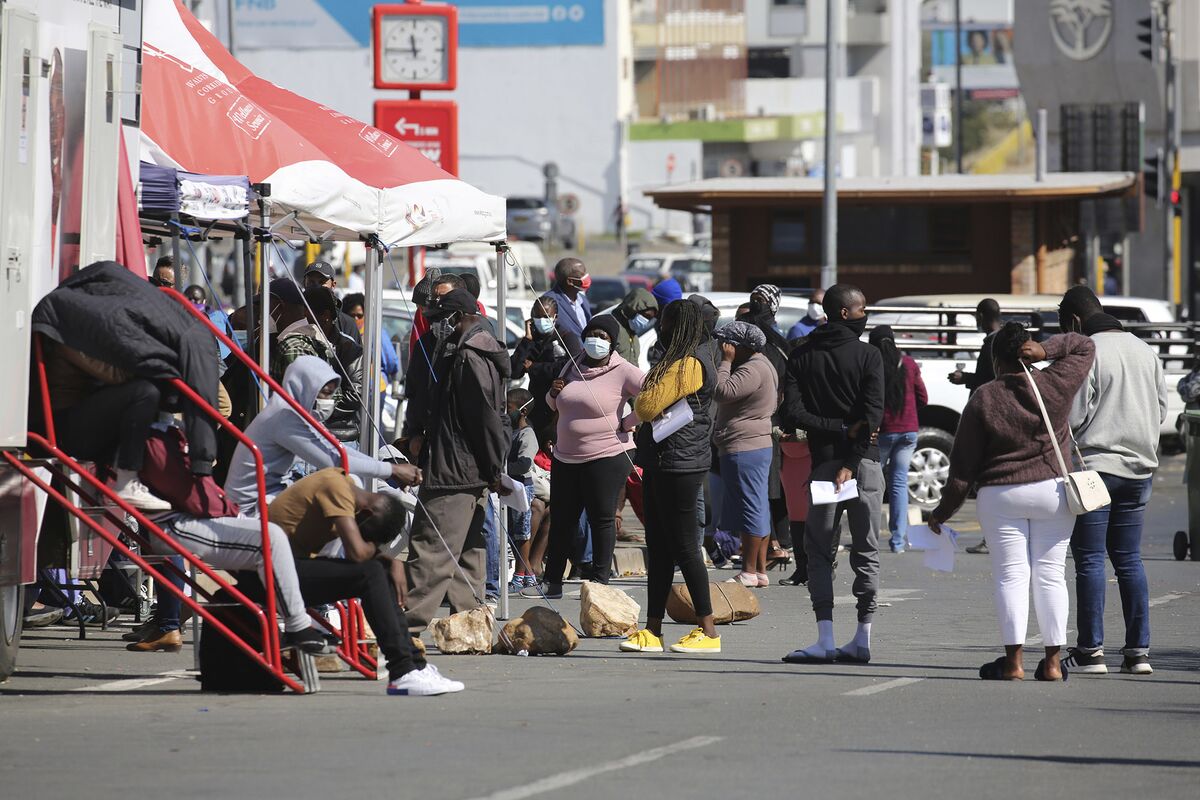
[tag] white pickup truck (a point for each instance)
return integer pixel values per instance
(939, 331)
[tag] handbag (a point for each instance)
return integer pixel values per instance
(1085, 489)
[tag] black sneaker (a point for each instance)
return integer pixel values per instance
(92, 613)
(550, 591)
(1136, 664)
(310, 640)
(1085, 663)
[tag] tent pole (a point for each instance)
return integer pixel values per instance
(368, 442)
(265, 259)
(501, 512)
(245, 245)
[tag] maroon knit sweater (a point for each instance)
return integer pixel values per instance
(1001, 437)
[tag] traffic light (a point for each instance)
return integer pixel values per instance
(1150, 36)
(1154, 178)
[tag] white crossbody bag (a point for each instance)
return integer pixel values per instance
(1085, 489)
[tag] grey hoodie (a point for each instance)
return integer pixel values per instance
(282, 437)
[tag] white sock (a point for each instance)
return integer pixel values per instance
(861, 640)
(824, 644)
(124, 478)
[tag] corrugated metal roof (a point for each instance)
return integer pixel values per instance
(977, 188)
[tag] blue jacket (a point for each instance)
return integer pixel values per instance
(802, 328)
(566, 311)
(389, 363)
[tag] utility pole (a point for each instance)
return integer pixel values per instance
(958, 88)
(1173, 228)
(829, 204)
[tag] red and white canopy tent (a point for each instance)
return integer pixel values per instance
(205, 112)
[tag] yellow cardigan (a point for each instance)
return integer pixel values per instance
(680, 380)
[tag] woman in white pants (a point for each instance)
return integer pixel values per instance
(1003, 448)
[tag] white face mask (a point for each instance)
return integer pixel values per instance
(815, 311)
(323, 409)
(596, 347)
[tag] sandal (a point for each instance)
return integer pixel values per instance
(1040, 673)
(994, 671)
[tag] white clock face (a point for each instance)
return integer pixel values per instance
(414, 49)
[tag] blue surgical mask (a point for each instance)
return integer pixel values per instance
(639, 324)
(543, 325)
(596, 347)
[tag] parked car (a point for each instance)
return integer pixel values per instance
(526, 274)
(693, 270)
(942, 335)
(606, 290)
(532, 219)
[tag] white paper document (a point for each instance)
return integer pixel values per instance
(672, 419)
(939, 550)
(516, 499)
(824, 493)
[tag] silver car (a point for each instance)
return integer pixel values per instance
(531, 219)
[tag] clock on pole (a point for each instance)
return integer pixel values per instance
(416, 46)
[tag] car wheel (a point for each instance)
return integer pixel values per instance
(12, 602)
(930, 467)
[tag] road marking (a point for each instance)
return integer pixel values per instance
(1166, 598)
(134, 683)
(565, 779)
(881, 687)
(884, 599)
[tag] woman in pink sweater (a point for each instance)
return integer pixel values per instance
(1003, 448)
(591, 449)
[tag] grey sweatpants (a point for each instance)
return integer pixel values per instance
(235, 543)
(433, 561)
(821, 540)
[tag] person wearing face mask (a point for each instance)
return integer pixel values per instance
(464, 456)
(282, 437)
(834, 392)
(592, 458)
(812, 319)
(571, 283)
(541, 354)
(636, 314)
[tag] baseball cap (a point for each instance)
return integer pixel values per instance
(323, 267)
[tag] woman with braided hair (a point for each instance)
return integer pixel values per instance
(674, 467)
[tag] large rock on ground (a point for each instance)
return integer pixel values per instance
(537, 632)
(731, 602)
(464, 632)
(605, 611)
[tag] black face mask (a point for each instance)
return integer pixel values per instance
(758, 307)
(514, 419)
(858, 326)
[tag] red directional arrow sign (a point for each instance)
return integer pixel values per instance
(430, 126)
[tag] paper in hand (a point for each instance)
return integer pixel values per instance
(824, 493)
(516, 499)
(674, 418)
(939, 550)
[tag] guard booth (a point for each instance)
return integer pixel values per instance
(898, 236)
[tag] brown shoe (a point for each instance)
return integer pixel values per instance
(168, 642)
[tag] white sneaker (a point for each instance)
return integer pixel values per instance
(137, 495)
(424, 683)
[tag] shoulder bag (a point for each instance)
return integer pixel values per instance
(1085, 489)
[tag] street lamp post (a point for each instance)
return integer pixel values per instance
(829, 205)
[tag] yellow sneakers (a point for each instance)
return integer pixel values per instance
(642, 642)
(697, 642)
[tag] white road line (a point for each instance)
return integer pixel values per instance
(133, 683)
(1166, 598)
(881, 687)
(565, 779)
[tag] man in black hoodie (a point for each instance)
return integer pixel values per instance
(833, 390)
(465, 452)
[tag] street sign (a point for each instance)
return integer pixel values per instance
(431, 126)
(568, 204)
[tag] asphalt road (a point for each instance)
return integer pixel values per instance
(87, 719)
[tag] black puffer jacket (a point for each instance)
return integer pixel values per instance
(106, 312)
(466, 427)
(689, 449)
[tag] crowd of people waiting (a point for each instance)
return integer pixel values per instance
(716, 446)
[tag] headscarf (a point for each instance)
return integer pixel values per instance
(744, 334)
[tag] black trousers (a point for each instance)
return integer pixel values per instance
(328, 580)
(111, 425)
(673, 538)
(592, 486)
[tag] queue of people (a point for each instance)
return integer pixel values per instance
(770, 415)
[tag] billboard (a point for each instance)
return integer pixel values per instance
(337, 24)
(986, 50)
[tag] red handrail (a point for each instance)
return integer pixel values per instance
(47, 411)
(263, 659)
(257, 370)
(268, 563)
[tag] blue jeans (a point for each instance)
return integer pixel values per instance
(491, 535)
(1117, 530)
(583, 540)
(895, 454)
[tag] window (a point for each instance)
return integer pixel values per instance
(876, 233)
(789, 236)
(525, 203)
